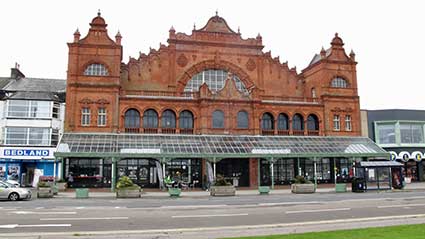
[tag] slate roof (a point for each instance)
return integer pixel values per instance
(37, 85)
(317, 57)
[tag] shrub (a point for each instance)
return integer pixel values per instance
(42, 184)
(125, 182)
(301, 180)
(221, 181)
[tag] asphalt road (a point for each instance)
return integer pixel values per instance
(107, 217)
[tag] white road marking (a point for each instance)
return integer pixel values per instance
(286, 203)
(82, 218)
(222, 228)
(318, 210)
(12, 226)
(403, 205)
(211, 215)
(193, 207)
(39, 208)
(80, 207)
(43, 213)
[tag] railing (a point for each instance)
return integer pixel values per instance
(132, 130)
(148, 93)
(267, 131)
(186, 131)
(168, 130)
(282, 132)
(298, 132)
(150, 130)
(313, 132)
(290, 99)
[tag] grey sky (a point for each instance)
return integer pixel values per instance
(388, 37)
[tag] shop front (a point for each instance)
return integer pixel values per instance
(196, 160)
(23, 164)
(412, 159)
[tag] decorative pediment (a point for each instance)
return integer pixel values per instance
(86, 101)
(341, 110)
(102, 102)
(230, 91)
(217, 24)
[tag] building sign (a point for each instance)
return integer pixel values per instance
(26, 153)
(406, 156)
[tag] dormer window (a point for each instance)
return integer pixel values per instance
(339, 82)
(96, 70)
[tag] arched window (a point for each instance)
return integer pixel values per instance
(267, 121)
(339, 82)
(186, 120)
(96, 70)
(218, 119)
(132, 121)
(297, 122)
(168, 119)
(312, 123)
(215, 79)
(150, 119)
(282, 122)
(242, 120)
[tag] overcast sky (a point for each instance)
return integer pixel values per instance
(388, 37)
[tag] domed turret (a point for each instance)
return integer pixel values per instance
(98, 21)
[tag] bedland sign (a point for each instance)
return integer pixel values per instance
(27, 153)
(406, 156)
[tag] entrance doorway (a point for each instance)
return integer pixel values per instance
(235, 171)
(142, 172)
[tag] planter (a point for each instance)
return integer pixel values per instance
(264, 189)
(174, 192)
(128, 192)
(223, 190)
(303, 188)
(61, 186)
(45, 192)
(82, 193)
(340, 187)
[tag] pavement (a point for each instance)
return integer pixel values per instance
(417, 186)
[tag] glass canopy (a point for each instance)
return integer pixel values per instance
(214, 146)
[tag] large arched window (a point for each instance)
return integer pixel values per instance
(132, 121)
(218, 119)
(339, 82)
(242, 120)
(150, 119)
(186, 120)
(96, 70)
(267, 122)
(312, 123)
(168, 119)
(297, 122)
(282, 122)
(215, 79)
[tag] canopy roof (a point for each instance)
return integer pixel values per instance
(372, 164)
(166, 146)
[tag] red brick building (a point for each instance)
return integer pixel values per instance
(211, 82)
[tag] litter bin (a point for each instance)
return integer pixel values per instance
(358, 185)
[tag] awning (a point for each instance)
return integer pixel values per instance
(374, 164)
(214, 146)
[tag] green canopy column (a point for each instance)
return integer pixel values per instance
(114, 173)
(272, 161)
(315, 172)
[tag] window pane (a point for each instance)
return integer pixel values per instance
(39, 136)
(96, 70)
(218, 119)
(18, 108)
(132, 119)
(16, 135)
(282, 122)
(242, 120)
(186, 120)
(101, 117)
(215, 79)
(386, 133)
(40, 109)
(267, 122)
(297, 122)
(150, 119)
(411, 133)
(168, 119)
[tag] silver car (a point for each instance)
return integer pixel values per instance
(9, 191)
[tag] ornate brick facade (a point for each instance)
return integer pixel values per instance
(157, 81)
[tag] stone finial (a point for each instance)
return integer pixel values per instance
(77, 35)
(98, 12)
(322, 53)
(352, 55)
(118, 38)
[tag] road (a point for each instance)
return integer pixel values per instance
(213, 216)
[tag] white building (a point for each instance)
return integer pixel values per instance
(31, 122)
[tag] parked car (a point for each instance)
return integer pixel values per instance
(13, 193)
(13, 182)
